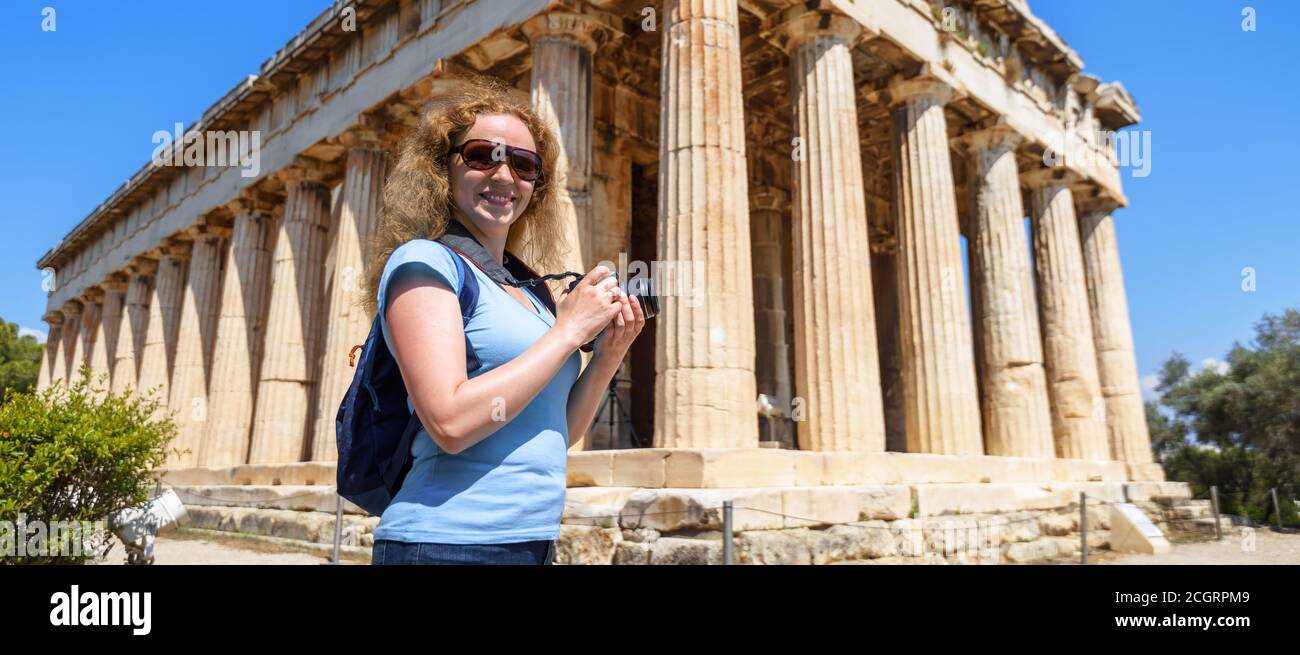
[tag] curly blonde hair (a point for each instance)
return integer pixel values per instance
(417, 201)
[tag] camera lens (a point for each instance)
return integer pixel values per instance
(643, 289)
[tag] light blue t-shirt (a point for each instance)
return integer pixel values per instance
(510, 486)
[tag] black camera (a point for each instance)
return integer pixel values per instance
(642, 288)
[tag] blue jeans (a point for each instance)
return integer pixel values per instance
(387, 551)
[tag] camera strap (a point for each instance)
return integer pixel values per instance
(514, 273)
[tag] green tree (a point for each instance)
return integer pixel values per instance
(1246, 421)
(75, 454)
(20, 360)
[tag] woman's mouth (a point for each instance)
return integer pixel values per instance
(497, 199)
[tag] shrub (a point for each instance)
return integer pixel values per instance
(77, 453)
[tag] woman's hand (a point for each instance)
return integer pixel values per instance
(583, 312)
(619, 334)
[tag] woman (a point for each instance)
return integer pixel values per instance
(487, 481)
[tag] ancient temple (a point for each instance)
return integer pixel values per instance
(902, 213)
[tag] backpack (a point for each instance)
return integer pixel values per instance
(373, 428)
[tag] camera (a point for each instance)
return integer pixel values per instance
(642, 288)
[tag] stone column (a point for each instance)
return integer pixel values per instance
(198, 323)
(134, 324)
(159, 351)
(769, 241)
(1078, 412)
(52, 368)
(346, 322)
(284, 391)
(92, 335)
(940, 400)
(237, 352)
(1126, 422)
(71, 348)
(1017, 418)
(837, 367)
(704, 341)
(562, 44)
(111, 319)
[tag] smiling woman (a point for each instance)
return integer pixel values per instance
(497, 433)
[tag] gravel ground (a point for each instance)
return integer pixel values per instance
(189, 549)
(1269, 548)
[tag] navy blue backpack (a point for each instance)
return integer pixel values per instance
(374, 428)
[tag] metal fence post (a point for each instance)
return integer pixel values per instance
(1083, 526)
(1214, 498)
(726, 533)
(338, 530)
(1277, 508)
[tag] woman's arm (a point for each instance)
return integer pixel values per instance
(428, 339)
(429, 346)
(611, 347)
(586, 394)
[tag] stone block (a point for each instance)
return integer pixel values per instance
(870, 539)
(676, 550)
(773, 547)
(633, 553)
(667, 510)
(580, 544)
(1020, 527)
(592, 468)
(640, 467)
(1132, 531)
(1057, 525)
(727, 467)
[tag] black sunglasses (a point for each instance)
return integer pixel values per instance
(484, 155)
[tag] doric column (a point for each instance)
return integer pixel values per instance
(284, 392)
(71, 348)
(704, 342)
(52, 367)
(111, 319)
(164, 321)
(769, 236)
(562, 44)
(1126, 422)
(1078, 412)
(940, 400)
(200, 307)
(92, 335)
(837, 367)
(1017, 418)
(346, 322)
(237, 352)
(134, 324)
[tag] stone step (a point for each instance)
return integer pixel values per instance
(1183, 512)
(1172, 497)
(310, 498)
(1200, 526)
(307, 526)
(321, 549)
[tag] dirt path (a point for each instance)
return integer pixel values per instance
(187, 548)
(1268, 548)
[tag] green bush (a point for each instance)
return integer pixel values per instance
(76, 453)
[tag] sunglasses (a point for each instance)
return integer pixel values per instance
(484, 155)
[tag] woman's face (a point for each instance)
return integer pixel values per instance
(492, 199)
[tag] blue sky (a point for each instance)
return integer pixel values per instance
(82, 102)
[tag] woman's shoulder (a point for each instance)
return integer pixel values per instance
(421, 258)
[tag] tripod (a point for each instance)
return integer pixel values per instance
(616, 406)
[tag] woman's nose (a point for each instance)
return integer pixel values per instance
(503, 174)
